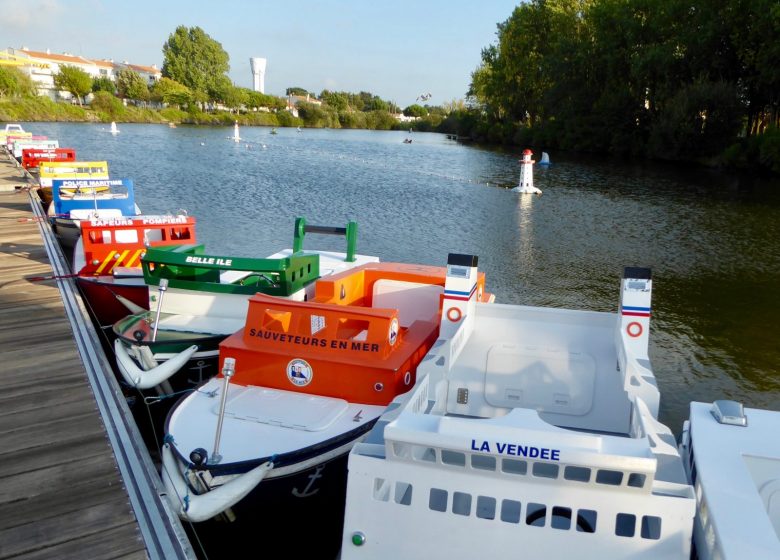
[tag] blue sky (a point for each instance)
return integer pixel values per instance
(397, 50)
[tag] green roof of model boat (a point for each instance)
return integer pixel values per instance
(189, 267)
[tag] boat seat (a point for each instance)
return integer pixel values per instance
(414, 301)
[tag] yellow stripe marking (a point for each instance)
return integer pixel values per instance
(108, 259)
(134, 258)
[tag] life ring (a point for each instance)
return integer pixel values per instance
(634, 329)
(454, 314)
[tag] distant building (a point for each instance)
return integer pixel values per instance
(294, 100)
(43, 66)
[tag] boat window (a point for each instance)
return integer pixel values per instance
(424, 454)
(625, 525)
(613, 478)
(561, 518)
(483, 462)
(586, 521)
(510, 511)
(577, 474)
(381, 490)
(403, 493)
(651, 527)
(535, 514)
(486, 507)
(514, 466)
(636, 480)
(126, 236)
(461, 503)
(437, 499)
(453, 458)
(545, 470)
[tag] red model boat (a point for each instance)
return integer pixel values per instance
(107, 260)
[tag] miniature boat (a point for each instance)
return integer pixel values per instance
(19, 145)
(529, 429)
(732, 457)
(301, 383)
(72, 170)
(32, 157)
(196, 300)
(107, 260)
(93, 199)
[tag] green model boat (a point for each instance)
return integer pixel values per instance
(197, 299)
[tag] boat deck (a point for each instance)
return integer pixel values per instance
(61, 491)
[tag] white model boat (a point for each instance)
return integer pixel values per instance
(529, 431)
(732, 457)
(311, 378)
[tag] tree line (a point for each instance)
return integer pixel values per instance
(673, 79)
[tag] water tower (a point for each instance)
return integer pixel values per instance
(258, 73)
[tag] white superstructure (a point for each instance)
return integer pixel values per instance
(530, 431)
(258, 73)
(732, 457)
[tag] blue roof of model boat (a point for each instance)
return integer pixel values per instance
(119, 195)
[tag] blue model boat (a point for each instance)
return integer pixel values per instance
(74, 200)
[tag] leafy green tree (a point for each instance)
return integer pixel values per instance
(105, 102)
(73, 80)
(195, 60)
(296, 91)
(103, 83)
(337, 100)
(255, 100)
(415, 110)
(130, 85)
(15, 83)
(170, 92)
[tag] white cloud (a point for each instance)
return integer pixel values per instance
(23, 15)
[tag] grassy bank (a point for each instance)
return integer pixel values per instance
(106, 108)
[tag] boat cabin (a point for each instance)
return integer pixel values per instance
(33, 157)
(110, 246)
(359, 338)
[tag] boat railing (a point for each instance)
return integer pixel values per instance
(188, 267)
(350, 232)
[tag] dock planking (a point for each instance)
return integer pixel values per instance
(61, 493)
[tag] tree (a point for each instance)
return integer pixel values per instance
(415, 111)
(195, 60)
(296, 91)
(255, 100)
(73, 80)
(103, 83)
(14, 82)
(170, 92)
(131, 85)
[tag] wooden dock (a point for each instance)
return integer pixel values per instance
(74, 479)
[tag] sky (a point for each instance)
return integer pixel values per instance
(398, 50)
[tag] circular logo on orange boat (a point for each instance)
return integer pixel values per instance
(392, 335)
(299, 372)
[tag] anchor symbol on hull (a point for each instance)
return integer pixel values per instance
(307, 491)
(198, 367)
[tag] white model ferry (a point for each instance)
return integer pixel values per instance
(529, 431)
(732, 457)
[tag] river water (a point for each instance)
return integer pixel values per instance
(712, 240)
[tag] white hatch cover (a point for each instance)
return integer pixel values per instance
(287, 409)
(550, 380)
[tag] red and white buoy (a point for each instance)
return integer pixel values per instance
(526, 185)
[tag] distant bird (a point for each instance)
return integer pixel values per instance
(424, 97)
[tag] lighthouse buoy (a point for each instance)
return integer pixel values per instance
(526, 185)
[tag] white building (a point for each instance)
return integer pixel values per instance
(43, 66)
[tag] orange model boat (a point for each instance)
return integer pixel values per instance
(303, 382)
